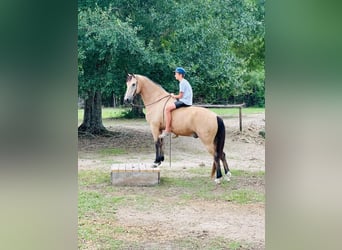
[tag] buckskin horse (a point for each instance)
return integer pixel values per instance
(186, 121)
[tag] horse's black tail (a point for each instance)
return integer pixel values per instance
(219, 142)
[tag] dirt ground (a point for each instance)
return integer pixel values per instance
(168, 219)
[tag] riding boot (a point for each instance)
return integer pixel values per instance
(164, 134)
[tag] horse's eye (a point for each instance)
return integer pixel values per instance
(133, 84)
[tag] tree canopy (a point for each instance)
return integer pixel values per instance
(220, 43)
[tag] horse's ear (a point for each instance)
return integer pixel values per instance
(129, 77)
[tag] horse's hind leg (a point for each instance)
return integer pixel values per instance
(226, 168)
(218, 169)
(213, 170)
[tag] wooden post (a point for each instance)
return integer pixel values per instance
(240, 106)
(170, 152)
(240, 117)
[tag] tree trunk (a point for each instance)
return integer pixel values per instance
(92, 119)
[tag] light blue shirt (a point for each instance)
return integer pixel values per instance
(185, 87)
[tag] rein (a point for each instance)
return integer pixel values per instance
(141, 106)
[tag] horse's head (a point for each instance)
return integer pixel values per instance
(132, 88)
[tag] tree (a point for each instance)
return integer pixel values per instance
(220, 43)
(102, 40)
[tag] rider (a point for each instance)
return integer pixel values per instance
(184, 99)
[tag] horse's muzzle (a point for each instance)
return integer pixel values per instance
(128, 100)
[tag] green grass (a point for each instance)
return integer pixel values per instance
(216, 243)
(235, 245)
(245, 196)
(115, 113)
(99, 200)
(107, 113)
(204, 171)
(96, 212)
(200, 186)
(260, 173)
(235, 111)
(95, 202)
(111, 151)
(92, 177)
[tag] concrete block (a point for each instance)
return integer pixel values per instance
(134, 175)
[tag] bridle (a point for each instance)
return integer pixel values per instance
(136, 87)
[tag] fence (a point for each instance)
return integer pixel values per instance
(239, 106)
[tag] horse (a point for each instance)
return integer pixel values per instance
(186, 121)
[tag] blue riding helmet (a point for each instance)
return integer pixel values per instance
(180, 70)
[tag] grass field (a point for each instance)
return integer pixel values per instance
(187, 210)
(99, 201)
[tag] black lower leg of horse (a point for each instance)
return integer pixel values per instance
(213, 170)
(159, 151)
(225, 164)
(218, 167)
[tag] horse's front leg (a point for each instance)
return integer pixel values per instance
(158, 145)
(159, 152)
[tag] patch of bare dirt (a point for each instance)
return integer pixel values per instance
(254, 133)
(195, 219)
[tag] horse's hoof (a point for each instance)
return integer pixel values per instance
(156, 164)
(218, 181)
(194, 135)
(227, 176)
